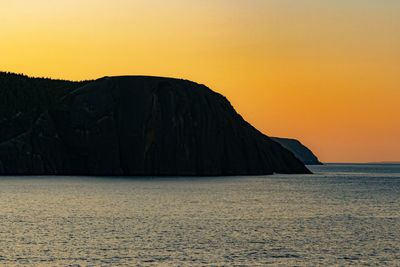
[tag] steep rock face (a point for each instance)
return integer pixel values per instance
(144, 126)
(299, 150)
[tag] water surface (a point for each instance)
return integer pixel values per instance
(341, 215)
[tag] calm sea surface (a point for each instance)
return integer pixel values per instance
(341, 215)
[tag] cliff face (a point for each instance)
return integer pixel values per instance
(142, 126)
(299, 150)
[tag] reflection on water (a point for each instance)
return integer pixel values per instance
(343, 214)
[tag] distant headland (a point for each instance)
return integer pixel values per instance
(299, 150)
(129, 125)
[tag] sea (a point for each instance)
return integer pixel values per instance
(342, 215)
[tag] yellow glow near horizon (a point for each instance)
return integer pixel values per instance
(325, 72)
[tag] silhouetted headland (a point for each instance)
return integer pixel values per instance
(131, 125)
(302, 152)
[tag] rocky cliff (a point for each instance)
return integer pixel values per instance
(299, 150)
(138, 126)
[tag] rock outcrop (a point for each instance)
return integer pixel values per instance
(302, 152)
(138, 125)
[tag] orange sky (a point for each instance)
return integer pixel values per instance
(325, 72)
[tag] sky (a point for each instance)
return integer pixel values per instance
(323, 71)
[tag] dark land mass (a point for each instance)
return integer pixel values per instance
(302, 152)
(133, 125)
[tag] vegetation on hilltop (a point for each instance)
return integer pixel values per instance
(21, 94)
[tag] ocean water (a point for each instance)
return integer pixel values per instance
(341, 215)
